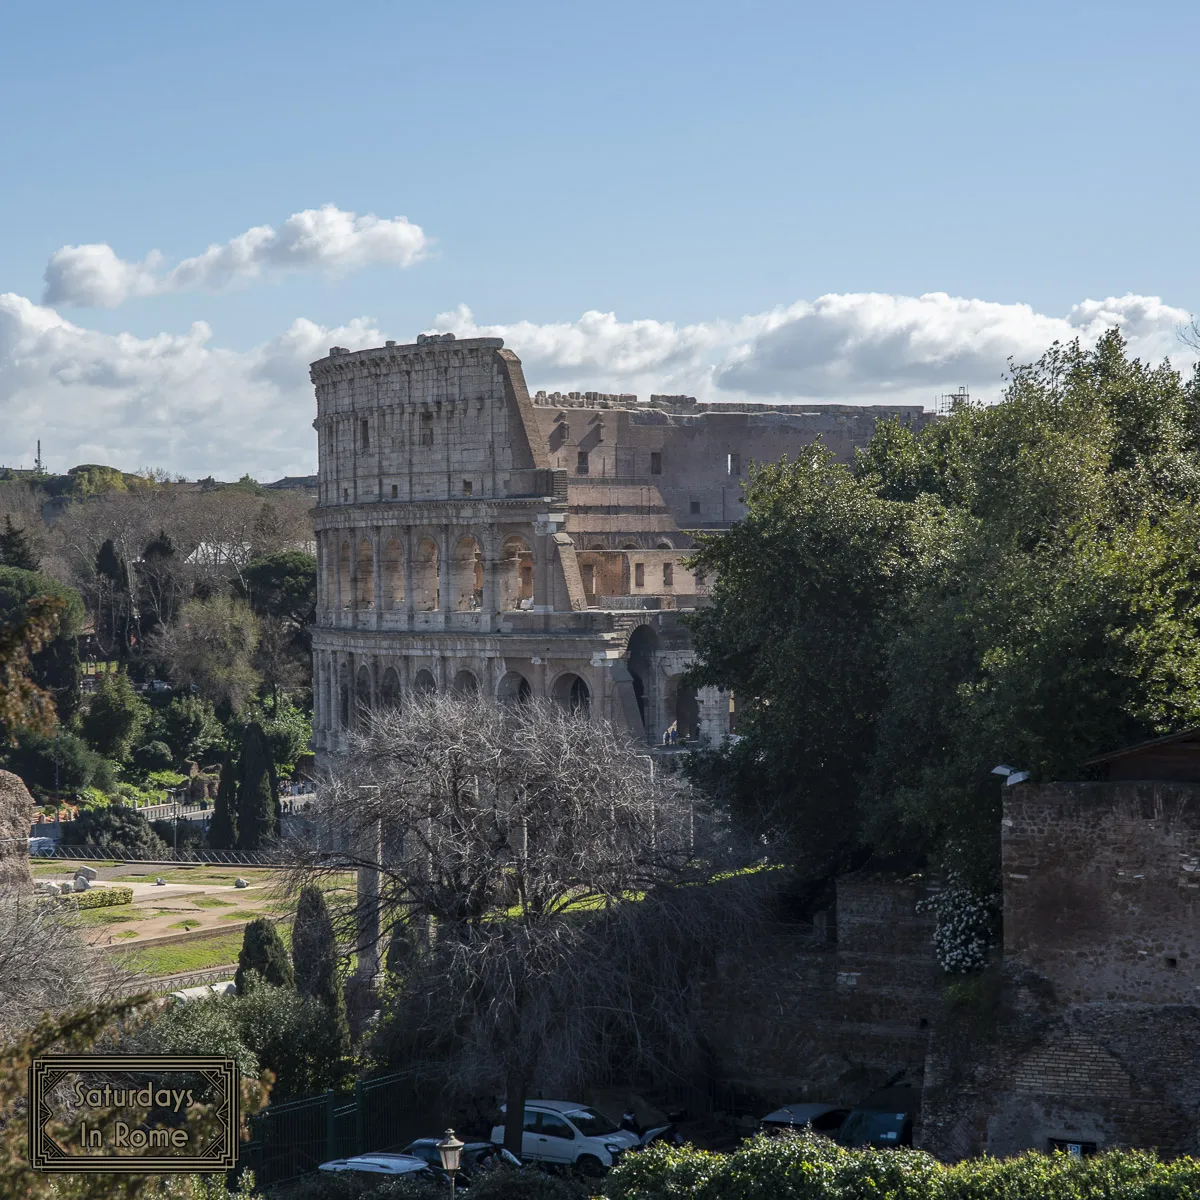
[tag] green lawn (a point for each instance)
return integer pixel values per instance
(186, 923)
(116, 914)
(210, 902)
(242, 914)
(191, 954)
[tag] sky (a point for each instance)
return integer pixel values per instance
(830, 203)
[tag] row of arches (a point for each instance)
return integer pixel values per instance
(423, 580)
(355, 701)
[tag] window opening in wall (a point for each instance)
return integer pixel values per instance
(364, 435)
(694, 507)
(668, 574)
(581, 463)
(1074, 1149)
(655, 462)
(427, 429)
(734, 464)
(345, 493)
(1171, 961)
(589, 578)
(468, 487)
(639, 574)
(395, 491)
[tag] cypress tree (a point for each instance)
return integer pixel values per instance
(223, 828)
(264, 954)
(16, 548)
(314, 958)
(258, 791)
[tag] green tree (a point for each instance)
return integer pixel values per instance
(24, 704)
(315, 962)
(282, 585)
(262, 955)
(55, 667)
(190, 727)
(121, 832)
(58, 760)
(116, 717)
(16, 548)
(258, 791)
(211, 645)
(223, 826)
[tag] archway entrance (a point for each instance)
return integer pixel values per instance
(514, 688)
(573, 694)
(643, 643)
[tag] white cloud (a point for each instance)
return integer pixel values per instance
(179, 402)
(327, 239)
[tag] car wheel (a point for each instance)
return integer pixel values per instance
(589, 1165)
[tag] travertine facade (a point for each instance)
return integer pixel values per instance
(473, 538)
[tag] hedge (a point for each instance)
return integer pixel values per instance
(806, 1167)
(104, 897)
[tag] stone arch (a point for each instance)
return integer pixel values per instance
(425, 576)
(572, 692)
(366, 575)
(683, 709)
(465, 684)
(389, 689)
(643, 642)
(514, 688)
(327, 713)
(663, 546)
(362, 697)
(424, 684)
(630, 546)
(343, 600)
(516, 573)
(330, 558)
(466, 575)
(597, 546)
(393, 574)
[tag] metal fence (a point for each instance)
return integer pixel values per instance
(385, 1113)
(229, 858)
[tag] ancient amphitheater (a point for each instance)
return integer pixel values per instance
(473, 538)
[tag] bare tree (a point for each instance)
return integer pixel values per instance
(568, 888)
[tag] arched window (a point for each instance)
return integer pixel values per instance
(425, 576)
(389, 689)
(573, 694)
(366, 575)
(362, 698)
(466, 578)
(465, 684)
(516, 574)
(424, 683)
(393, 574)
(514, 688)
(344, 576)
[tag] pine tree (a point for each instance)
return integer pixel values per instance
(314, 958)
(16, 548)
(258, 791)
(223, 828)
(262, 953)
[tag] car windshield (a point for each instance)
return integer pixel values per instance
(865, 1128)
(591, 1123)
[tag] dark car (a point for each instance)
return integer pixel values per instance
(883, 1119)
(820, 1118)
(477, 1158)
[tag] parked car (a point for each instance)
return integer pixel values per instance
(374, 1165)
(477, 1158)
(42, 847)
(883, 1119)
(820, 1118)
(561, 1131)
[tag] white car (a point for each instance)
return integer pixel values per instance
(561, 1131)
(379, 1164)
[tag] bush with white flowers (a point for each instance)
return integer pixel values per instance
(966, 926)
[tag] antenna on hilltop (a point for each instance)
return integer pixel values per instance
(37, 462)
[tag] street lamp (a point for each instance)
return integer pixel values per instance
(450, 1149)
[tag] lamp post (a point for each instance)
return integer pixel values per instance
(450, 1149)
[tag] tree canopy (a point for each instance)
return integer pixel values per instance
(1016, 584)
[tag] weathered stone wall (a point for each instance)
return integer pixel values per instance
(800, 1017)
(1102, 889)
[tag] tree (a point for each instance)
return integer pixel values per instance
(54, 666)
(211, 646)
(121, 832)
(315, 962)
(223, 826)
(190, 727)
(258, 791)
(262, 954)
(554, 867)
(24, 705)
(283, 585)
(116, 717)
(16, 548)
(58, 761)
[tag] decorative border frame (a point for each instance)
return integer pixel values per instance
(219, 1154)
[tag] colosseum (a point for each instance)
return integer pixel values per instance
(473, 538)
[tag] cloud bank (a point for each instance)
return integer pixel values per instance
(327, 239)
(179, 402)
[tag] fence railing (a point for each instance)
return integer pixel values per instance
(165, 984)
(385, 1113)
(229, 858)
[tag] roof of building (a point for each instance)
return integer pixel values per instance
(1189, 735)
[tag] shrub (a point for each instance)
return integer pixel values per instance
(806, 1167)
(264, 955)
(104, 897)
(41, 759)
(153, 756)
(120, 832)
(116, 717)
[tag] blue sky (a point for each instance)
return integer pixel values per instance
(698, 176)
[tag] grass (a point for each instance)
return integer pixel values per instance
(191, 954)
(210, 902)
(125, 933)
(186, 923)
(241, 914)
(254, 876)
(118, 914)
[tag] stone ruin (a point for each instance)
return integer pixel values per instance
(16, 809)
